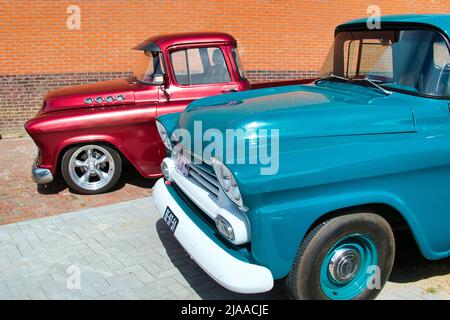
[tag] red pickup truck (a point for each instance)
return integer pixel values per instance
(86, 132)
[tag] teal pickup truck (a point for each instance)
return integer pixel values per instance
(313, 181)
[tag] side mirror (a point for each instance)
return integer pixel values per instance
(158, 80)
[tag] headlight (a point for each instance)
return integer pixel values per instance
(164, 136)
(227, 182)
(225, 228)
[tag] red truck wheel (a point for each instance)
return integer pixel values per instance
(91, 169)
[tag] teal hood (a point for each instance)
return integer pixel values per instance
(318, 110)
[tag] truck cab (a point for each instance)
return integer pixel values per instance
(86, 132)
(187, 67)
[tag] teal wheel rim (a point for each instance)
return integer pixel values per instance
(346, 269)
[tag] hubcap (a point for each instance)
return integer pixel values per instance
(91, 167)
(345, 272)
(344, 265)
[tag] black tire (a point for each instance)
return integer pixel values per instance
(112, 180)
(303, 282)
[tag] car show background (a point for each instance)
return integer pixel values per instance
(49, 44)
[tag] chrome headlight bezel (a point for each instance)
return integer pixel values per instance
(164, 135)
(228, 183)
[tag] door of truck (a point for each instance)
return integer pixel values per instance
(194, 72)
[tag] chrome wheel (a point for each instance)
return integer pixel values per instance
(91, 167)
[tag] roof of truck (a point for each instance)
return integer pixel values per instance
(440, 21)
(161, 42)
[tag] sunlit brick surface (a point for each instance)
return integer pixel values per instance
(277, 39)
(20, 199)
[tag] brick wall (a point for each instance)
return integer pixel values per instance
(277, 39)
(22, 95)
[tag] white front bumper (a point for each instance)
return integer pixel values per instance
(230, 272)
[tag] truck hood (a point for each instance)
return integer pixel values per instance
(75, 96)
(302, 111)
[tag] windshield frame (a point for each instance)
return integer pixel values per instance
(163, 69)
(395, 26)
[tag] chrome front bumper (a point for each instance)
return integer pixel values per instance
(40, 175)
(230, 272)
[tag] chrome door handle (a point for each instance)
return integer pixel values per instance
(229, 90)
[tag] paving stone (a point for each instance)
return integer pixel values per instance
(121, 254)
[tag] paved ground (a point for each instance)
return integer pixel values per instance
(120, 248)
(21, 199)
(123, 251)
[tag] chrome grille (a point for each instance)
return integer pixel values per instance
(202, 173)
(203, 177)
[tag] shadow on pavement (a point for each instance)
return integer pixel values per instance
(198, 280)
(411, 266)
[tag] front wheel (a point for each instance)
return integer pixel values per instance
(344, 258)
(91, 169)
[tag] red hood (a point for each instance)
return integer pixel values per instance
(74, 97)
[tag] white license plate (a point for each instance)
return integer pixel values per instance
(171, 219)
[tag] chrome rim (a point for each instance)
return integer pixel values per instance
(91, 167)
(344, 265)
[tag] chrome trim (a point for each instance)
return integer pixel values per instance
(344, 265)
(200, 175)
(203, 182)
(91, 162)
(40, 175)
(205, 178)
(211, 201)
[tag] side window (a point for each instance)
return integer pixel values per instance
(195, 62)
(438, 78)
(440, 54)
(179, 64)
(200, 66)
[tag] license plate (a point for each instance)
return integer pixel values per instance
(171, 219)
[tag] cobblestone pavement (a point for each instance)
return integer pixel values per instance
(122, 251)
(21, 199)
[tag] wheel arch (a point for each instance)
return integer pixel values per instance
(397, 219)
(80, 141)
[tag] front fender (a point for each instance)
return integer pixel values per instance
(51, 154)
(279, 228)
(131, 131)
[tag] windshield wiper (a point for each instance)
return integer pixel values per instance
(332, 76)
(372, 82)
(386, 92)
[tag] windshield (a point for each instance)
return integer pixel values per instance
(148, 65)
(411, 61)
